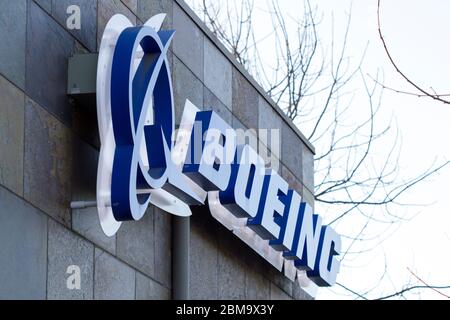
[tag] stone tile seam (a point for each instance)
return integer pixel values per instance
(59, 24)
(301, 181)
(96, 246)
(131, 10)
(73, 132)
(284, 291)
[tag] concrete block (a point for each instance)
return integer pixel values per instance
(45, 4)
(299, 293)
(46, 77)
(11, 136)
(131, 4)
(257, 287)
(308, 169)
(147, 9)
(188, 41)
(87, 34)
(279, 280)
(66, 249)
(108, 8)
(278, 294)
(292, 180)
(203, 261)
(231, 273)
(48, 163)
(148, 289)
(23, 247)
(86, 221)
(292, 151)
(136, 243)
(268, 118)
(163, 247)
(245, 100)
(113, 279)
(269, 125)
(12, 40)
(218, 73)
(257, 284)
(308, 197)
(185, 86)
(211, 102)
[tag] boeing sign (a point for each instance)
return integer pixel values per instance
(145, 160)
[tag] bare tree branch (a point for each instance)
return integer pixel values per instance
(394, 64)
(315, 85)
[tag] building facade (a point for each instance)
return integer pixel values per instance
(49, 153)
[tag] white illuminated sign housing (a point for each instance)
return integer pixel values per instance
(144, 160)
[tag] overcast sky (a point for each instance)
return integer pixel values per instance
(417, 33)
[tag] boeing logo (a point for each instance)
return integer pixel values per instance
(144, 160)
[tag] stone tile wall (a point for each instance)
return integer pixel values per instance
(46, 162)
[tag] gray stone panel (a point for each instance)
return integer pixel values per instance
(257, 284)
(268, 118)
(163, 247)
(131, 4)
(11, 136)
(46, 80)
(231, 273)
(218, 73)
(278, 294)
(113, 279)
(211, 102)
(292, 151)
(269, 125)
(245, 100)
(308, 169)
(23, 247)
(108, 8)
(87, 34)
(45, 4)
(203, 260)
(148, 8)
(293, 182)
(188, 41)
(257, 287)
(136, 243)
(67, 249)
(12, 40)
(48, 163)
(299, 293)
(185, 86)
(147, 289)
(86, 221)
(308, 197)
(280, 280)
